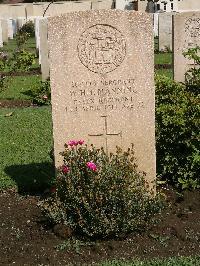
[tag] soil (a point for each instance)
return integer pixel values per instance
(25, 240)
(163, 66)
(15, 103)
(35, 71)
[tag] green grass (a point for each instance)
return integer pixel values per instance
(163, 58)
(18, 87)
(11, 45)
(26, 140)
(165, 72)
(180, 261)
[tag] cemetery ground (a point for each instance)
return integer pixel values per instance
(26, 174)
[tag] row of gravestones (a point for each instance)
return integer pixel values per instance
(9, 27)
(164, 25)
(178, 32)
(102, 79)
(51, 8)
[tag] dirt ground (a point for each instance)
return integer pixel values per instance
(24, 240)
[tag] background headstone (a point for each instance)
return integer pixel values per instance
(37, 34)
(186, 34)
(165, 31)
(155, 24)
(4, 25)
(43, 49)
(20, 22)
(124, 4)
(1, 35)
(102, 4)
(10, 28)
(102, 82)
(14, 25)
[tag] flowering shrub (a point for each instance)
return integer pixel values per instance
(100, 195)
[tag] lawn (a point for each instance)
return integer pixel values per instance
(11, 45)
(181, 261)
(163, 58)
(17, 87)
(26, 141)
(165, 72)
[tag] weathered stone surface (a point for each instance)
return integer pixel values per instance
(155, 24)
(102, 82)
(4, 25)
(10, 28)
(43, 49)
(186, 34)
(1, 35)
(165, 31)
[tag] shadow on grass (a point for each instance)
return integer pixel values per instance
(32, 178)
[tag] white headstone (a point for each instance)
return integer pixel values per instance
(1, 35)
(43, 49)
(165, 31)
(14, 25)
(4, 25)
(186, 34)
(155, 24)
(10, 28)
(124, 4)
(102, 82)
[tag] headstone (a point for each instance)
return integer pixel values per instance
(81, 5)
(165, 31)
(20, 22)
(102, 4)
(4, 25)
(43, 49)
(29, 9)
(14, 25)
(37, 35)
(58, 8)
(124, 4)
(102, 82)
(155, 24)
(39, 8)
(10, 28)
(186, 34)
(1, 35)
(4, 11)
(17, 10)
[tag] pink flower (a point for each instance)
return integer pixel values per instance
(81, 142)
(65, 169)
(71, 143)
(76, 142)
(92, 166)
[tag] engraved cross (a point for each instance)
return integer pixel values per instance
(106, 134)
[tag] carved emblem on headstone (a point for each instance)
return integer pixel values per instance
(101, 48)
